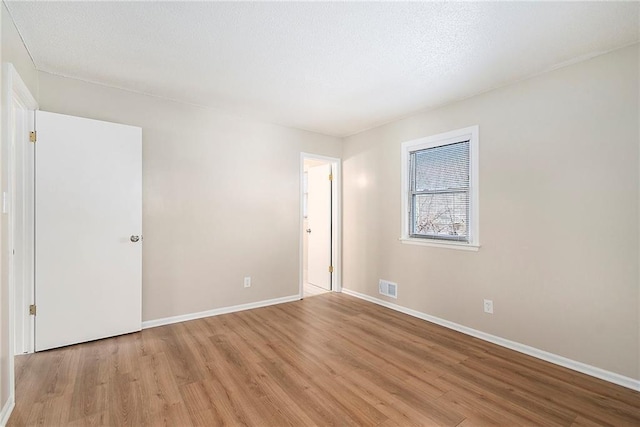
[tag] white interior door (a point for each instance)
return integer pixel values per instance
(88, 203)
(319, 225)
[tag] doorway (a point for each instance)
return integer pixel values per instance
(18, 106)
(319, 231)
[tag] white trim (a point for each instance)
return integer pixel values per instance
(439, 244)
(336, 215)
(14, 91)
(18, 86)
(20, 163)
(217, 311)
(471, 132)
(6, 411)
(593, 371)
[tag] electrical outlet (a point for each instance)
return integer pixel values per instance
(488, 306)
(247, 282)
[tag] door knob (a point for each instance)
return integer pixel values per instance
(134, 238)
(309, 230)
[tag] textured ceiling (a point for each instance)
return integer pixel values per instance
(334, 68)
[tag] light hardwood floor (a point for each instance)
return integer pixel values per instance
(310, 290)
(327, 360)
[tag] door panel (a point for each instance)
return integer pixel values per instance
(319, 222)
(88, 203)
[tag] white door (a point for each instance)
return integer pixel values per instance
(319, 225)
(88, 262)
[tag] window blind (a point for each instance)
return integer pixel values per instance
(440, 192)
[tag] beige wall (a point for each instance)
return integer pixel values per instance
(220, 197)
(559, 218)
(13, 51)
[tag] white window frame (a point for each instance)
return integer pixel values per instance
(465, 134)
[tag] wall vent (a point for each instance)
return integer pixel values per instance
(388, 288)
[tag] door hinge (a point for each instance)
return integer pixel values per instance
(331, 269)
(330, 177)
(33, 136)
(32, 310)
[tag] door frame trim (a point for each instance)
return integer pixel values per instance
(14, 89)
(336, 215)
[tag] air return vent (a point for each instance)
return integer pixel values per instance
(388, 288)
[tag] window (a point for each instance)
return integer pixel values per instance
(440, 190)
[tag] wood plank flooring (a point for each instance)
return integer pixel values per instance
(310, 290)
(327, 360)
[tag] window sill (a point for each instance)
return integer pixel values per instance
(441, 244)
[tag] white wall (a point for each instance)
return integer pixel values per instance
(220, 197)
(559, 217)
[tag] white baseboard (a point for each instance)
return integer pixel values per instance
(531, 351)
(217, 311)
(6, 410)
